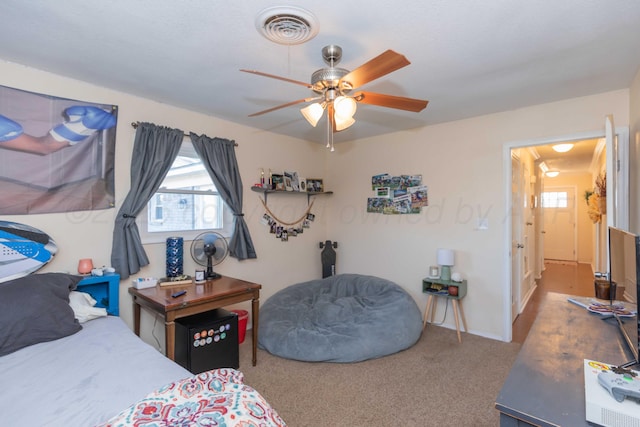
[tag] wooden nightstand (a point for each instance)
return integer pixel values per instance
(451, 291)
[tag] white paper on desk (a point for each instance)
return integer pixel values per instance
(622, 308)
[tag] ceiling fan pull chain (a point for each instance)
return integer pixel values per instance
(330, 118)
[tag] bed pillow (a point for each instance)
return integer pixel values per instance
(83, 304)
(36, 309)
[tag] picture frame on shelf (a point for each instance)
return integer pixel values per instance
(287, 183)
(315, 185)
(295, 183)
(277, 182)
(303, 185)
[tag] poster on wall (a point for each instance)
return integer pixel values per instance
(394, 195)
(56, 154)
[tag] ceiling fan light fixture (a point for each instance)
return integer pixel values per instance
(562, 148)
(343, 123)
(344, 106)
(333, 85)
(287, 25)
(313, 113)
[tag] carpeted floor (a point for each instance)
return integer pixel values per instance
(437, 382)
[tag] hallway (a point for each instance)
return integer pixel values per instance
(561, 277)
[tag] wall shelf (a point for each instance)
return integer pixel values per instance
(266, 192)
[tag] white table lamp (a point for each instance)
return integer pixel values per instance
(445, 259)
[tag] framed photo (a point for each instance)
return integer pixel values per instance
(277, 181)
(287, 183)
(295, 183)
(303, 185)
(315, 185)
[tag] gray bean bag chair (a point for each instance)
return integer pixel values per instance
(343, 318)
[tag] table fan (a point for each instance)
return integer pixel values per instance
(209, 249)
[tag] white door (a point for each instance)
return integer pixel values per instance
(559, 205)
(517, 246)
(617, 176)
(528, 238)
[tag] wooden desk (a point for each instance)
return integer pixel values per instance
(199, 298)
(545, 386)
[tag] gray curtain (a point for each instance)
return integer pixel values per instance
(154, 150)
(219, 158)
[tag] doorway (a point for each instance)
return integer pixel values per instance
(617, 186)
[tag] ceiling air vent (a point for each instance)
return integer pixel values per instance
(287, 25)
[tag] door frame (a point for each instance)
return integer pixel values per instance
(517, 266)
(620, 146)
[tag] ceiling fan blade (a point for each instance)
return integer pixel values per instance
(260, 73)
(390, 101)
(379, 66)
(288, 104)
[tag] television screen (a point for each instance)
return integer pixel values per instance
(624, 270)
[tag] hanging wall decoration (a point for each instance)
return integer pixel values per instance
(285, 229)
(394, 195)
(291, 184)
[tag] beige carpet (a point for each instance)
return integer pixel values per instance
(437, 382)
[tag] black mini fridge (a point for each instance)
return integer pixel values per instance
(207, 341)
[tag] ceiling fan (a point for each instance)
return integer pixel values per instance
(334, 87)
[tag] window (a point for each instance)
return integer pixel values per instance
(555, 199)
(186, 204)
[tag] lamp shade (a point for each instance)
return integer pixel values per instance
(445, 256)
(343, 123)
(312, 113)
(344, 106)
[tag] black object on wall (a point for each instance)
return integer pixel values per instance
(328, 257)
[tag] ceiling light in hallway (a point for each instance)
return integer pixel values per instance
(562, 148)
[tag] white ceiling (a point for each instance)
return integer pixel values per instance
(468, 57)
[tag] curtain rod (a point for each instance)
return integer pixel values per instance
(135, 126)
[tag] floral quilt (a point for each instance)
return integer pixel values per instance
(213, 398)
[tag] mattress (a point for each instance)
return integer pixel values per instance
(83, 379)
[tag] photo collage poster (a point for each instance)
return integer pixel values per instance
(395, 195)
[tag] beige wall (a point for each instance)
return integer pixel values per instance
(464, 163)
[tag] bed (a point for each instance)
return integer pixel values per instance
(100, 373)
